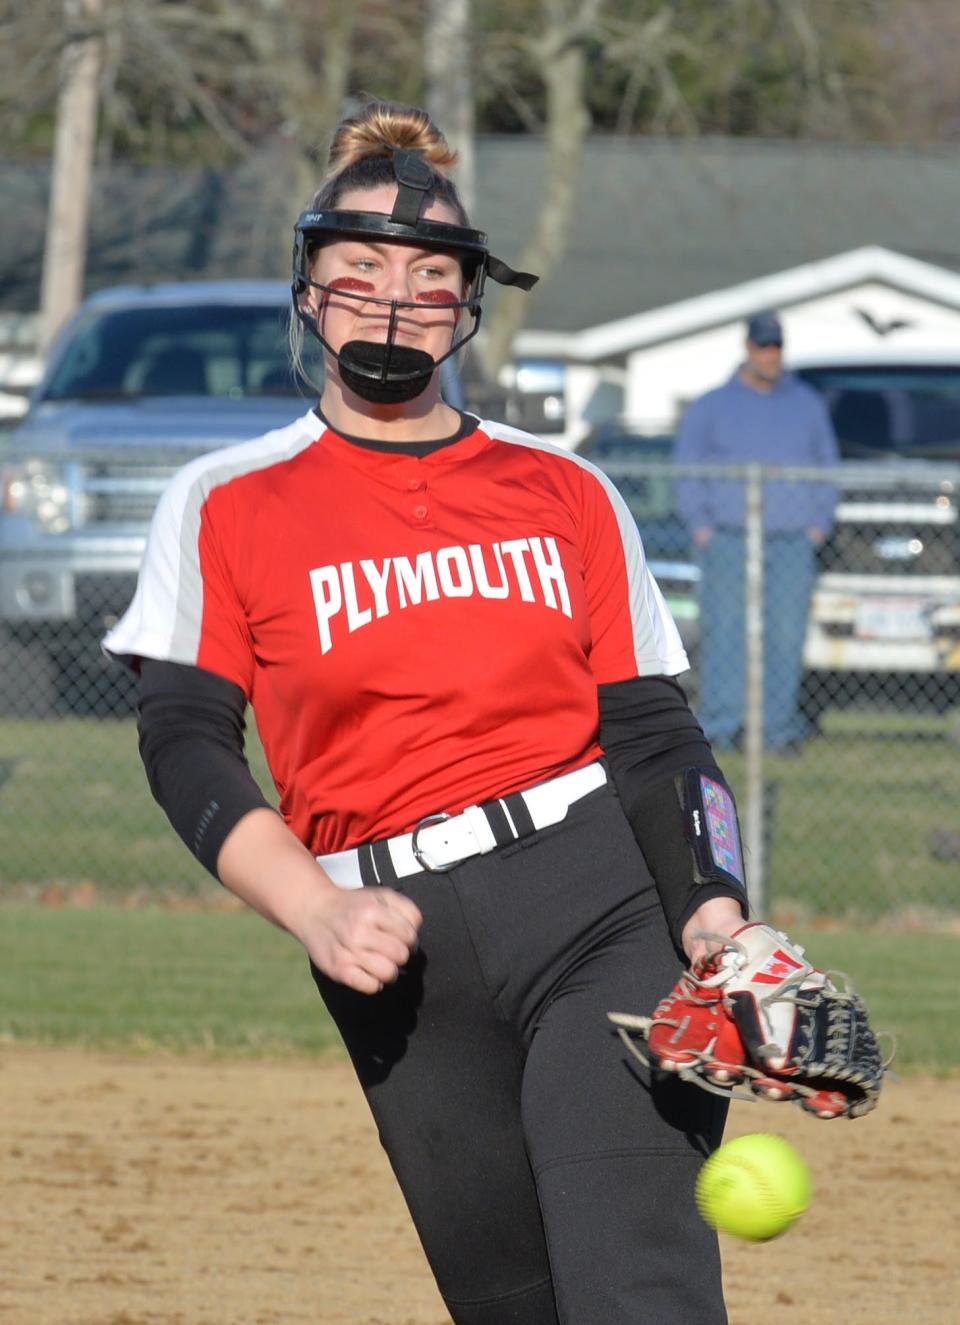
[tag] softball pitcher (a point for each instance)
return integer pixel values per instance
(498, 819)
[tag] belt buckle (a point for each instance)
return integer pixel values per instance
(418, 851)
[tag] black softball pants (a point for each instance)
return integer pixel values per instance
(549, 1180)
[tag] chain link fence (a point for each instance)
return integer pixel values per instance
(827, 676)
(831, 683)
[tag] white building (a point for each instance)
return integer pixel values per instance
(865, 304)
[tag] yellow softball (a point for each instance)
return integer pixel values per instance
(753, 1187)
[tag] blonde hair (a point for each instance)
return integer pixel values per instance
(382, 126)
(362, 147)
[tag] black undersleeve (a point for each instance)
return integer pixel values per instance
(191, 742)
(649, 735)
(648, 732)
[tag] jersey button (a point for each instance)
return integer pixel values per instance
(420, 512)
(416, 484)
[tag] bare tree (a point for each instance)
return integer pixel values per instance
(255, 73)
(304, 50)
(447, 61)
(31, 48)
(204, 80)
(923, 94)
(239, 71)
(558, 55)
(64, 257)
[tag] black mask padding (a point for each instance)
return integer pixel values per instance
(364, 365)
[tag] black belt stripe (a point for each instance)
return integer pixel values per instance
(520, 814)
(383, 861)
(365, 860)
(499, 823)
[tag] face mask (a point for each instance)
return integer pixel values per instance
(384, 373)
(391, 374)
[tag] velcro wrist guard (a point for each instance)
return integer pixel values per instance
(687, 829)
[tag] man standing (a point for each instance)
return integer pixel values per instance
(766, 416)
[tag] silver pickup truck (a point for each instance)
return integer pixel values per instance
(140, 380)
(885, 614)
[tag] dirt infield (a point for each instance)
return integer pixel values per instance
(184, 1191)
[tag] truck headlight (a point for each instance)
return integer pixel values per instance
(39, 490)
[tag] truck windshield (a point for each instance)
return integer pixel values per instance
(200, 350)
(891, 410)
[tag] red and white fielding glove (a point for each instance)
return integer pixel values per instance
(757, 1012)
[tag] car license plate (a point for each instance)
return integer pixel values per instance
(893, 619)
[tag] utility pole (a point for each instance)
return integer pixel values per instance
(65, 248)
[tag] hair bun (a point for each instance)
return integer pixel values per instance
(379, 127)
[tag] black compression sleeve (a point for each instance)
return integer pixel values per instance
(648, 732)
(649, 736)
(191, 742)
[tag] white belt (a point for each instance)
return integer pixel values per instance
(441, 841)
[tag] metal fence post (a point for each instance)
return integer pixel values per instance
(753, 715)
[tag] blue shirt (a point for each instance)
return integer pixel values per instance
(736, 425)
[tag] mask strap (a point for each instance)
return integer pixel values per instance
(505, 275)
(415, 178)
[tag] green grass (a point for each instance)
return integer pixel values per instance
(849, 820)
(910, 983)
(228, 982)
(76, 808)
(223, 981)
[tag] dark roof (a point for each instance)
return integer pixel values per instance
(659, 221)
(655, 221)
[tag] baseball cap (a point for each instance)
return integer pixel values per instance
(765, 329)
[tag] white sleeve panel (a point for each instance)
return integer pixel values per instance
(658, 648)
(165, 616)
(657, 644)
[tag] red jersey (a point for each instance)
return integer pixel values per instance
(415, 634)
